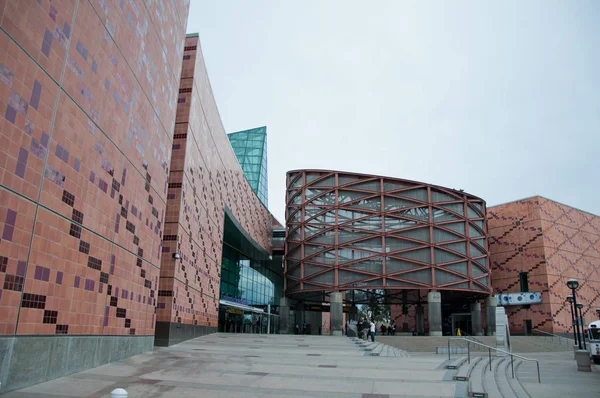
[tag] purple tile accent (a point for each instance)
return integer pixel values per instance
(94, 66)
(76, 284)
(131, 296)
(11, 217)
(54, 175)
(5, 76)
(37, 149)
(59, 151)
(140, 215)
(65, 156)
(144, 300)
(76, 164)
(38, 272)
(22, 162)
(15, 101)
(102, 185)
(29, 127)
(100, 287)
(106, 312)
(34, 101)
(124, 294)
(112, 193)
(7, 234)
(123, 177)
(52, 13)
(112, 264)
(166, 249)
(92, 177)
(127, 205)
(21, 267)
(117, 220)
(46, 274)
(59, 277)
(45, 139)
(47, 43)
(11, 114)
(139, 298)
(66, 29)
(116, 292)
(89, 284)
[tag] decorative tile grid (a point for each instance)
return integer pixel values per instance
(552, 242)
(102, 163)
(205, 177)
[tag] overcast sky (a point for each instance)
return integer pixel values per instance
(501, 99)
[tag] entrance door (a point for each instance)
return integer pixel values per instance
(527, 327)
(462, 322)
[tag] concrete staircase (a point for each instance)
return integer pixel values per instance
(379, 349)
(479, 379)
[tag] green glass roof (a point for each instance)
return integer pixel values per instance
(250, 147)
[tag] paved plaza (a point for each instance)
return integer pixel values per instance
(238, 365)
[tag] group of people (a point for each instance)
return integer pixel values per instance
(366, 329)
(390, 328)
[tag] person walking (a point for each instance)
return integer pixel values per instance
(372, 330)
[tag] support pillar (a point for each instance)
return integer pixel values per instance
(476, 326)
(490, 315)
(284, 315)
(336, 313)
(420, 320)
(434, 313)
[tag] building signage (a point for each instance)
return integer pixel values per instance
(521, 298)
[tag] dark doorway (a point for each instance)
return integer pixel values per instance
(528, 329)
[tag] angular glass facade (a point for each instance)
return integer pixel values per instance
(251, 284)
(250, 147)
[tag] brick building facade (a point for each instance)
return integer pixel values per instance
(548, 243)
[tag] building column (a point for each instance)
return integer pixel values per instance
(434, 313)
(476, 326)
(420, 320)
(284, 315)
(490, 315)
(336, 313)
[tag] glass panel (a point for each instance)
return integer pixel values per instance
(480, 242)
(437, 196)
(390, 186)
(295, 235)
(325, 218)
(460, 247)
(375, 265)
(423, 276)
(479, 223)
(311, 177)
(310, 230)
(327, 199)
(346, 179)
(295, 272)
(395, 203)
(348, 196)
(392, 224)
(419, 213)
(442, 215)
(474, 231)
(326, 182)
(346, 215)
(327, 277)
(371, 204)
(347, 255)
(310, 249)
(327, 238)
(458, 227)
(373, 244)
(346, 236)
(368, 186)
(423, 255)
(442, 256)
(370, 224)
(463, 285)
(324, 258)
(472, 213)
(455, 207)
(475, 251)
(294, 253)
(310, 269)
(477, 205)
(482, 261)
(484, 281)
(394, 265)
(458, 267)
(349, 277)
(443, 277)
(476, 271)
(419, 194)
(393, 244)
(312, 192)
(440, 235)
(395, 283)
(297, 183)
(297, 200)
(419, 234)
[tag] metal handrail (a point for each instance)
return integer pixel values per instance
(490, 348)
(561, 338)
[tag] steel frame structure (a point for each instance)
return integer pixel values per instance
(349, 231)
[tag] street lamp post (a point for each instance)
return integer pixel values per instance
(573, 284)
(570, 300)
(580, 307)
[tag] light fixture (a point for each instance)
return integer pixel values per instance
(572, 284)
(579, 306)
(176, 256)
(570, 299)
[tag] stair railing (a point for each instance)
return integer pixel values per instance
(490, 348)
(561, 339)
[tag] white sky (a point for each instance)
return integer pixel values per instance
(500, 99)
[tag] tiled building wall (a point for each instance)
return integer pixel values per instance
(88, 93)
(552, 243)
(204, 180)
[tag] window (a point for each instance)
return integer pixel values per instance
(524, 281)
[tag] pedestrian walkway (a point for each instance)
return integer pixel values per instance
(230, 365)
